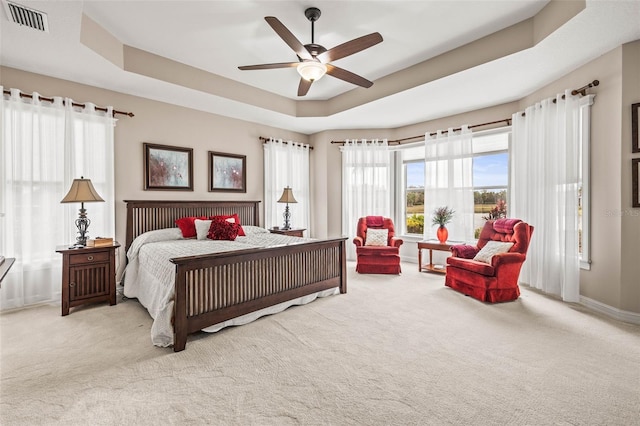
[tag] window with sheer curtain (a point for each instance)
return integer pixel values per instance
(366, 184)
(286, 164)
(449, 181)
(45, 145)
(549, 168)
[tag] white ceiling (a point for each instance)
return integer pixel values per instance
(218, 36)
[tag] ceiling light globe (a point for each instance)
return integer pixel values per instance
(311, 70)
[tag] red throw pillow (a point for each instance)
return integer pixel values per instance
(465, 251)
(187, 225)
(221, 229)
(237, 221)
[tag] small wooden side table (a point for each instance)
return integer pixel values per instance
(292, 232)
(88, 275)
(433, 245)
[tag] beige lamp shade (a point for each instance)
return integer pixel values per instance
(82, 191)
(287, 196)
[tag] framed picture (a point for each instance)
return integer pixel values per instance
(227, 172)
(635, 181)
(635, 137)
(168, 168)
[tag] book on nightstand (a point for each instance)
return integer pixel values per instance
(100, 242)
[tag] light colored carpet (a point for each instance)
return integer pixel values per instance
(395, 350)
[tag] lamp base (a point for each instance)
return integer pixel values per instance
(287, 216)
(82, 223)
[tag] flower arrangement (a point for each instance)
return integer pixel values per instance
(499, 211)
(442, 216)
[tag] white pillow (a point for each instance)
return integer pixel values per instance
(376, 237)
(250, 230)
(167, 234)
(491, 249)
(202, 228)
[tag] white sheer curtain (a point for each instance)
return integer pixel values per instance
(44, 146)
(544, 191)
(366, 184)
(449, 181)
(286, 164)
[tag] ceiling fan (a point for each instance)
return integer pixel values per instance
(313, 59)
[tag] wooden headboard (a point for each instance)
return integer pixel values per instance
(144, 215)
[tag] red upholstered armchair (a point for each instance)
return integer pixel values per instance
(377, 249)
(493, 275)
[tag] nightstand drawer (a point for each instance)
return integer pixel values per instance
(80, 258)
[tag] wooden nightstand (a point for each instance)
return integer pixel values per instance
(293, 232)
(88, 275)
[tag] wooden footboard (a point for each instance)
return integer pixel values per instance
(214, 288)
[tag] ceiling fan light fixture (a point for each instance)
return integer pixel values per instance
(311, 70)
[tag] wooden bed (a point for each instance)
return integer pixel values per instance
(214, 288)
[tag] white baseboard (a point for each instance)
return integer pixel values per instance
(610, 311)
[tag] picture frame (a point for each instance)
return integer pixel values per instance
(635, 131)
(167, 168)
(227, 172)
(635, 182)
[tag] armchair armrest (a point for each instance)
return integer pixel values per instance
(358, 241)
(464, 251)
(396, 242)
(506, 258)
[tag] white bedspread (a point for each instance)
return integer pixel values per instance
(150, 276)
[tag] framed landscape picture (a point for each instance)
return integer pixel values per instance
(635, 181)
(227, 172)
(635, 130)
(168, 168)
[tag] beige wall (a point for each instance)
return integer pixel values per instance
(613, 278)
(630, 233)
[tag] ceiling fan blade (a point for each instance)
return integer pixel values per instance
(350, 47)
(269, 66)
(304, 86)
(348, 76)
(288, 37)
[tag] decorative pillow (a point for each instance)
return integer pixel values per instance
(465, 251)
(187, 225)
(202, 228)
(232, 218)
(222, 229)
(491, 249)
(376, 237)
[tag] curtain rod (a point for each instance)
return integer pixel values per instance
(262, 138)
(399, 141)
(75, 104)
(582, 91)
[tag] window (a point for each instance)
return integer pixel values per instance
(414, 197)
(490, 176)
(490, 179)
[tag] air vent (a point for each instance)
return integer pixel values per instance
(27, 17)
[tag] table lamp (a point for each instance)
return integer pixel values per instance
(82, 191)
(287, 197)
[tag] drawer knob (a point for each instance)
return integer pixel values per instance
(89, 257)
(72, 284)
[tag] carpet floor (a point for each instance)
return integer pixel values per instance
(394, 350)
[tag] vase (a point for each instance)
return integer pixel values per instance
(442, 234)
